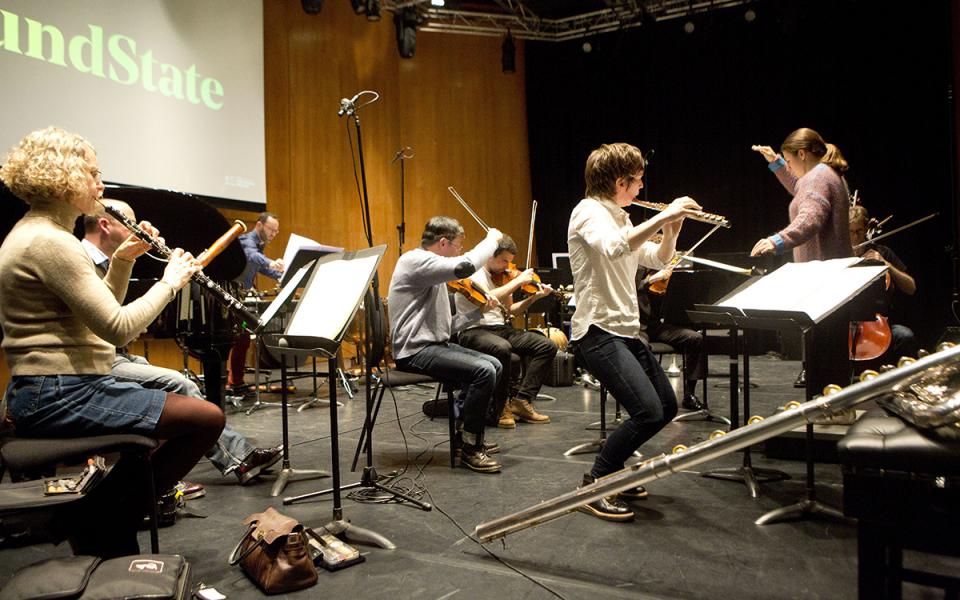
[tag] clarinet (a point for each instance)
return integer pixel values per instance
(218, 293)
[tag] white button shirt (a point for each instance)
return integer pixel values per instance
(605, 269)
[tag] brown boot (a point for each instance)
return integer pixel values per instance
(523, 410)
(506, 420)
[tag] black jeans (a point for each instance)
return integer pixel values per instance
(633, 376)
(499, 342)
(476, 373)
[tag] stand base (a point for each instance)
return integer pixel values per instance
(594, 446)
(546, 398)
(750, 476)
(800, 510)
(703, 414)
(595, 426)
(316, 402)
(358, 534)
(289, 474)
(368, 479)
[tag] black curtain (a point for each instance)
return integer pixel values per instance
(871, 77)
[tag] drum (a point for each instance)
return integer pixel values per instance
(557, 336)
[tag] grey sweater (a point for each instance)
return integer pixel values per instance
(418, 302)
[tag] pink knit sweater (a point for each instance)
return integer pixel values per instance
(819, 223)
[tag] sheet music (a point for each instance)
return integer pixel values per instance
(284, 294)
(815, 288)
(325, 310)
(297, 242)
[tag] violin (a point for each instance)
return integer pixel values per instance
(511, 273)
(475, 293)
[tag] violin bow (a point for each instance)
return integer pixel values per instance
(467, 206)
(533, 218)
(897, 230)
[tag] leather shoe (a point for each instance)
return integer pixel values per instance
(610, 508)
(636, 493)
(475, 459)
(507, 419)
(523, 410)
(488, 447)
(255, 462)
(691, 402)
(801, 381)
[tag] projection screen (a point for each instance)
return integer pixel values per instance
(170, 92)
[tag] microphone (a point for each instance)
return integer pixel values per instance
(347, 106)
(401, 153)
(649, 154)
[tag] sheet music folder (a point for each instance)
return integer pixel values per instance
(329, 303)
(795, 295)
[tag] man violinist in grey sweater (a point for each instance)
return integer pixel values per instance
(421, 322)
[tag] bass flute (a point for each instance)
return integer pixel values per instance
(248, 320)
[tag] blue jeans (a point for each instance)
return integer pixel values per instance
(633, 376)
(476, 374)
(231, 447)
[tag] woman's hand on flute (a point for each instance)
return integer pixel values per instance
(133, 247)
(181, 266)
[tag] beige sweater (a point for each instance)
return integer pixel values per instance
(58, 316)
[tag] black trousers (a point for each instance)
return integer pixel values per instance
(499, 342)
(685, 340)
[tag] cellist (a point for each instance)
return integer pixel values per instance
(903, 342)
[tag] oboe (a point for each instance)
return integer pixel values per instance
(698, 216)
(250, 320)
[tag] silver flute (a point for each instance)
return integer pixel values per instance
(834, 400)
(249, 320)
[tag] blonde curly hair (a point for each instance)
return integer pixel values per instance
(47, 164)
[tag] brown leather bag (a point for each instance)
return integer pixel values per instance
(273, 553)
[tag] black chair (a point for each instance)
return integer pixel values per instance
(903, 488)
(23, 506)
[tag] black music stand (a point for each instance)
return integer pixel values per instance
(686, 289)
(316, 330)
(815, 298)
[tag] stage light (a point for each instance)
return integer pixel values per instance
(689, 27)
(406, 22)
(587, 47)
(750, 16)
(311, 7)
(437, 2)
(508, 54)
(373, 10)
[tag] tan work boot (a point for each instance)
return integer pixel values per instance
(523, 410)
(506, 418)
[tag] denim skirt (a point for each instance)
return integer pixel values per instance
(81, 405)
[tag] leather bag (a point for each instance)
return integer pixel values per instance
(273, 553)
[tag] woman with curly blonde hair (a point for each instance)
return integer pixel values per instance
(61, 325)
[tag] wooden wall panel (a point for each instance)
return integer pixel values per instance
(464, 119)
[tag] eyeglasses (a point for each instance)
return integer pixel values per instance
(457, 246)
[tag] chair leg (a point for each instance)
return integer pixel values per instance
(436, 400)
(452, 423)
(152, 511)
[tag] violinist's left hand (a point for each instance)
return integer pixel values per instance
(492, 303)
(764, 246)
(133, 247)
(658, 276)
(545, 290)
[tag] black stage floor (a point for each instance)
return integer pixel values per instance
(693, 538)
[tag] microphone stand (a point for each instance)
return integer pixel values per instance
(402, 227)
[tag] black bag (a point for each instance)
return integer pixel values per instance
(562, 373)
(155, 576)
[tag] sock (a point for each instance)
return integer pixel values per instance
(469, 439)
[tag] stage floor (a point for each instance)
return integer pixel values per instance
(694, 537)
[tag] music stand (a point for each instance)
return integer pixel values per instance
(315, 330)
(804, 296)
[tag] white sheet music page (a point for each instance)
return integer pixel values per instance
(298, 241)
(815, 288)
(325, 310)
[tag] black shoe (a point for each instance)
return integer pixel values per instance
(475, 459)
(488, 447)
(637, 493)
(691, 402)
(801, 381)
(255, 462)
(610, 508)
